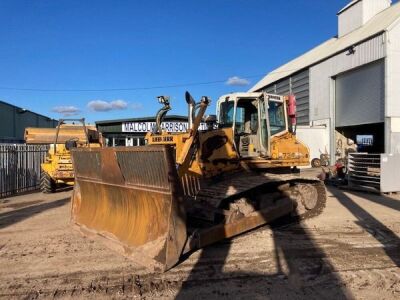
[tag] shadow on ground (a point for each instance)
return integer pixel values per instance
(302, 272)
(378, 199)
(368, 222)
(299, 269)
(15, 216)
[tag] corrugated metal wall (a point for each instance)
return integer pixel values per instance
(297, 84)
(14, 120)
(393, 72)
(321, 75)
(350, 19)
(359, 14)
(373, 7)
(7, 114)
(393, 89)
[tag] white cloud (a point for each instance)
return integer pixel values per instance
(66, 110)
(137, 106)
(101, 105)
(235, 80)
(119, 104)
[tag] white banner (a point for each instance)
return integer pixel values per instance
(149, 126)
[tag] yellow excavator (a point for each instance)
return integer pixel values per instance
(184, 191)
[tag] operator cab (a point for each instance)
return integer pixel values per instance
(252, 126)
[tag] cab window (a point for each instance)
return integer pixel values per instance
(239, 121)
(226, 114)
(276, 114)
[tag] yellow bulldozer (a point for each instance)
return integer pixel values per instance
(184, 191)
(57, 168)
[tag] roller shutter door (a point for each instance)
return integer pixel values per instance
(360, 96)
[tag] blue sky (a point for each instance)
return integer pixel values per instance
(80, 45)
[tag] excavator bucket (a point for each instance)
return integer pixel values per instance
(131, 198)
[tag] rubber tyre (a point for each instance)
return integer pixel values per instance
(316, 163)
(47, 184)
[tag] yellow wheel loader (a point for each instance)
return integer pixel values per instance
(57, 169)
(184, 191)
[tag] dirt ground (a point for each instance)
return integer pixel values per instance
(350, 251)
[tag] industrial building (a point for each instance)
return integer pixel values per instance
(131, 132)
(14, 120)
(349, 85)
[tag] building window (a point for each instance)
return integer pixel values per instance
(119, 142)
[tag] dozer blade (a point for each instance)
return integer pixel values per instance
(131, 197)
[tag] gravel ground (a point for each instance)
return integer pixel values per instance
(350, 251)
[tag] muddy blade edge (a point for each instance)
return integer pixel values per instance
(131, 199)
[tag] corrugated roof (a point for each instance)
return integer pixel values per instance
(376, 25)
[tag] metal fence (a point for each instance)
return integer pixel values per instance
(20, 168)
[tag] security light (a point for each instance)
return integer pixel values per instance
(351, 50)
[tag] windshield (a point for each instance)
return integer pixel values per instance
(276, 117)
(226, 114)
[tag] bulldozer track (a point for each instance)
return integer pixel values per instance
(237, 185)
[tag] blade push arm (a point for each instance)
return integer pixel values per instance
(193, 131)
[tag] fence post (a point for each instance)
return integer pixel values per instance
(12, 169)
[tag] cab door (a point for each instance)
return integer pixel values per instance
(264, 132)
